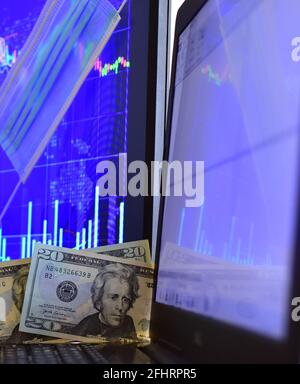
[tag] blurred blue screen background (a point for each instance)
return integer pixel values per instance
(57, 204)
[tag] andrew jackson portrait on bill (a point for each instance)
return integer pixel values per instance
(83, 296)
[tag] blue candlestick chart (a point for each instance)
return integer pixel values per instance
(236, 248)
(60, 204)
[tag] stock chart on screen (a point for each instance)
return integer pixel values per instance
(235, 106)
(59, 202)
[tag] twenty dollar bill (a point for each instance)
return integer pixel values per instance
(137, 251)
(13, 278)
(85, 296)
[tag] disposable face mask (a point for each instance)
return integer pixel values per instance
(60, 52)
(57, 57)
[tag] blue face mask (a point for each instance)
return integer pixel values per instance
(59, 54)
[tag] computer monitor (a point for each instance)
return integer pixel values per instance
(111, 114)
(228, 269)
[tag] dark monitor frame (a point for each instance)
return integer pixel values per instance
(142, 107)
(199, 339)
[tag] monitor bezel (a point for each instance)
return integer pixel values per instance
(195, 337)
(141, 112)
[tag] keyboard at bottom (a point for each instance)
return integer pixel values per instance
(50, 354)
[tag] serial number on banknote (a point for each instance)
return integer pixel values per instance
(65, 271)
